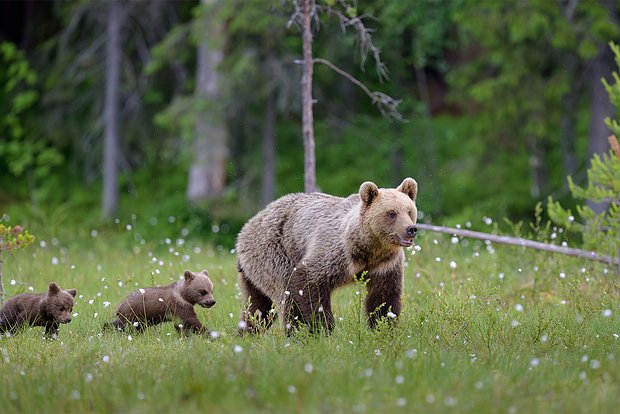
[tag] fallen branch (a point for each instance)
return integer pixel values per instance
(518, 241)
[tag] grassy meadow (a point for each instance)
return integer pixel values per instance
(483, 329)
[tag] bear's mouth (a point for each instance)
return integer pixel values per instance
(403, 242)
(207, 305)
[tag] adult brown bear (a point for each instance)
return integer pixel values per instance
(301, 247)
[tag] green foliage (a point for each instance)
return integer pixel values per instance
(20, 147)
(13, 238)
(600, 231)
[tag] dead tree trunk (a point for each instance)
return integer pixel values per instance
(307, 9)
(517, 241)
(111, 110)
(207, 175)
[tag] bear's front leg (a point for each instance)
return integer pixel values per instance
(191, 323)
(384, 293)
(51, 329)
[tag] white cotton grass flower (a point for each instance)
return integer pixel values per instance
(55, 261)
(106, 304)
(534, 362)
(141, 291)
(88, 377)
(401, 402)
(242, 325)
(292, 389)
(519, 307)
(237, 349)
(391, 315)
(214, 334)
(106, 358)
(607, 313)
(129, 338)
(13, 282)
(452, 264)
(308, 368)
(399, 379)
(75, 395)
(412, 353)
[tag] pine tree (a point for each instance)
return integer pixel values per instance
(600, 232)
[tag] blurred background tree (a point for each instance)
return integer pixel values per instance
(502, 100)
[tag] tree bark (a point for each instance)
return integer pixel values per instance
(111, 110)
(207, 176)
(307, 7)
(268, 187)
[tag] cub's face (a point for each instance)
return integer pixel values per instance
(59, 303)
(391, 214)
(198, 289)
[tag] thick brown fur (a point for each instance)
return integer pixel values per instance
(295, 252)
(155, 305)
(48, 309)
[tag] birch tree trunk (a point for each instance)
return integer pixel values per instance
(111, 110)
(307, 7)
(207, 175)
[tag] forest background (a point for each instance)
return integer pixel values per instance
(185, 116)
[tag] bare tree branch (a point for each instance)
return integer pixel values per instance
(364, 35)
(518, 241)
(386, 104)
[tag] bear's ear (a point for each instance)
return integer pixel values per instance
(409, 187)
(368, 193)
(189, 276)
(72, 292)
(205, 273)
(53, 289)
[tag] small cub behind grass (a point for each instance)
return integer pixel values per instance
(155, 305)
(48, 309)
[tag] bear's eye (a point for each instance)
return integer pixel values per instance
(203, 292)
(392, 215)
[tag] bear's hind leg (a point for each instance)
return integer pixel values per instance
(257, 306)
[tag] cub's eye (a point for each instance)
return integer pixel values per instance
(392, 215)
(203, 292)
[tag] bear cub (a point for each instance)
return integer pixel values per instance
(48, 309)
(155, 305)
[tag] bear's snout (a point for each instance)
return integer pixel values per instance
(412, 231)
(67, 320)
(209, 303)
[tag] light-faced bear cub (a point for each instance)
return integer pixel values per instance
(175, 302)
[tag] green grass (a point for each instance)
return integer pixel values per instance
(500, 332)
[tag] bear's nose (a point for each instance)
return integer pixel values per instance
(412, 231)
(68, 320)
(210, 303)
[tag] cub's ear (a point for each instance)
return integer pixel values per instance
(72, 292)
(189, 276)
(409, 187)
(53, 289)
(368, 193)
(205, 273)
